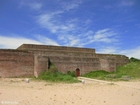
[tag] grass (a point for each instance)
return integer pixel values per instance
(57, 77)
(53, 75)
(126, 72)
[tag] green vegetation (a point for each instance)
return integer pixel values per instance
(57, 77)
(132, 59)
(126, 72)
(53, 75)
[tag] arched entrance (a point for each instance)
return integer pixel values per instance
(77, 72)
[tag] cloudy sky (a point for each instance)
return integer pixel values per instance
(109, 26)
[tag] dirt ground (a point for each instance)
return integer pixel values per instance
(15, 91)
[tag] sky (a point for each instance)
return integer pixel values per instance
(109, 26)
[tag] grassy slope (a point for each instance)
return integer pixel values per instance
(132, 70)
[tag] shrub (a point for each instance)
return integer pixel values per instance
(72, 73)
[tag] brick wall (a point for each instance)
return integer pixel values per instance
(70, 63)
(40, 64)
(109, 62)
(16, 63)
(29, 60)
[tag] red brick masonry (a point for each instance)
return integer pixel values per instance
(30, 60)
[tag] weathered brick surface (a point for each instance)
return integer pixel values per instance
(16, 63)
(31, 59)
(65, 64)
(109, 62)
(40, 64)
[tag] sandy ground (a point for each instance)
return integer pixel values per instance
(15, 91)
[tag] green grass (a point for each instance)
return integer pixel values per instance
(53, 75)
(57, 77)
(130, 70)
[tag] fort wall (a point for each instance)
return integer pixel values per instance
(40, 64)
(29, 60)
(65, 64)
(109, 62)
(14, 63)
(54, 48)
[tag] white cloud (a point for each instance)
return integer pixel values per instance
(84, 38)
(52, 23)
(102, 36)
(52, 20)
(14, 42)
(105, 35)
(108, 50)
(71, 4)
(135, 52)
(46, 40)
(71, 40)
(70, 32)
(73, 32)
(45, 21)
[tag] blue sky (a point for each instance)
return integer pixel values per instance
(109, 26)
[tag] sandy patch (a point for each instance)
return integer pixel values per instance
(18, 92)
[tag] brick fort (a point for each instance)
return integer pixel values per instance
(31, 60)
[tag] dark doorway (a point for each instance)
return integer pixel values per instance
(77, 72)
